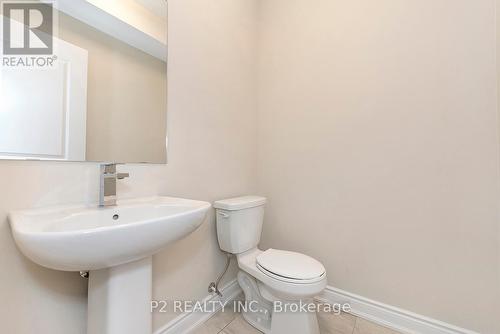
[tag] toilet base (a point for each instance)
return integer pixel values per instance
(294, 322)
(258, 310)
(262, 314)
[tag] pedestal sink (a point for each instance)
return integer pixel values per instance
(116, 245)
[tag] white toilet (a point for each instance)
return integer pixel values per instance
(276, 283)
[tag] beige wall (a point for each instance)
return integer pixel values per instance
(212, 154)
(127, 100)
(378, 149)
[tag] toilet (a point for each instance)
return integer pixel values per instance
(278, 285)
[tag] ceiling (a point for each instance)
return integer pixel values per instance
(158, 7)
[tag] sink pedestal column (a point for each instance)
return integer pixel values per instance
(120, 299)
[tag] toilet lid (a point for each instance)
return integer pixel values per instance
(290, 265)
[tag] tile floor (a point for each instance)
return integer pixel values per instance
(233, 323)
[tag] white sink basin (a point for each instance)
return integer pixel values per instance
(116, 245)
(79, 238)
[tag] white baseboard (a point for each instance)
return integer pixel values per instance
(392, 317)
(187, 322)
(389, 316)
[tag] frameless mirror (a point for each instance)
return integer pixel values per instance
(84, 80)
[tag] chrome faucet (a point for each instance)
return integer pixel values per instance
(108, 178)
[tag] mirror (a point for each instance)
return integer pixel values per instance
(84, 80)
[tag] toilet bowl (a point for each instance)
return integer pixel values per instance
(279, 285)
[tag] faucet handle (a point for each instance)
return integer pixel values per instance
(108, 169)
(121, 176)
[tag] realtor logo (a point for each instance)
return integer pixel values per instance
(28, 28)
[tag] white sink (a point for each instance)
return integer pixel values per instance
(115, 244)
(77, 238)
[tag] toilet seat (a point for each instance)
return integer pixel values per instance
(281, 287)
(290, 267)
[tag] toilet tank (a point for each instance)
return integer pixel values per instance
(239, 223)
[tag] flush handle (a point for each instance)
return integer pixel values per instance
(223, 214)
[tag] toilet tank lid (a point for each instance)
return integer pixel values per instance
(240, 203)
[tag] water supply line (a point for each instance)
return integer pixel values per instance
(214, 286)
